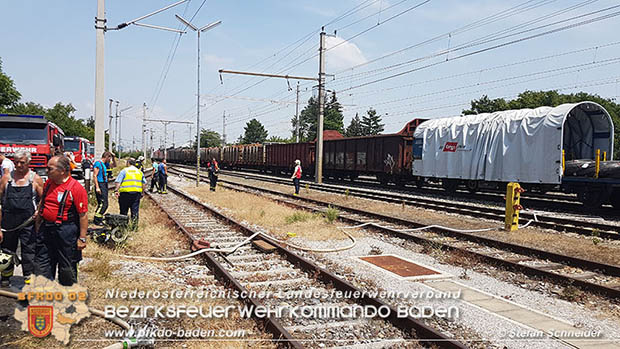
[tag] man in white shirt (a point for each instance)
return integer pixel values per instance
(7, 164)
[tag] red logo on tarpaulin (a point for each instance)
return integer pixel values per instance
(40, 320)
(450, 146)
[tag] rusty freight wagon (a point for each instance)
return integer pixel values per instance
(387, 157)
(281, 157)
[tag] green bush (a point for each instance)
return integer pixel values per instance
(331, 214)
(298, 217)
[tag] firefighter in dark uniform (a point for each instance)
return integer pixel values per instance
(20, 191)
(140, 163)
(61, 223)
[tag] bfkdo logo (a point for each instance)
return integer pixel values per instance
(40, 320)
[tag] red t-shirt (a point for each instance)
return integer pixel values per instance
(77, 196)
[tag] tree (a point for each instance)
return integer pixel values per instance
(278, 139)
(486, 105)
(534, 99)
(371, 123)
(9, 96)
(355, 127)
(333, 118)
(254, 132)
(209, 139)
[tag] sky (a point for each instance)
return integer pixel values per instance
(406, 59)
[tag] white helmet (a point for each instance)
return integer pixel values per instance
(141, 158)
(5, 260)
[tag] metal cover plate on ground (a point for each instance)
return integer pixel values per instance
(403, 268)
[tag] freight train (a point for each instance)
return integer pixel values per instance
(547, 148)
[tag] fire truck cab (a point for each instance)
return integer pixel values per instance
(79, 147)
(42, 138)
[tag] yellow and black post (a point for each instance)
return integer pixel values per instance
(513, 206)
(597, 168)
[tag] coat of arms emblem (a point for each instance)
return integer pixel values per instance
(40, 320)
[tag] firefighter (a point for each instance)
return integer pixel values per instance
(214, 170)
(20, 192)
(100, 171)
(162, 173)
(61, 224)
(130, 185)
(140, 163)
(296, 177)
(155, 176)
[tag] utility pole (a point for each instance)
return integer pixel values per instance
(100, 29)
(109, 130)
(151, 134)
(190, 136)
(198, 31)
(318, 173)
(272, 76)
(173, 138)
(297, 116)
(143, 130)
(224, 127)
(166, 122)
(133, 143)
(116, 127)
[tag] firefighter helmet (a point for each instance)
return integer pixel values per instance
(5, 260)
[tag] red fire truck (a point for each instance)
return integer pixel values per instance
(79, 147)
(42, 138)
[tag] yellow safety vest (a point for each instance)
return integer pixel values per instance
(132, 183)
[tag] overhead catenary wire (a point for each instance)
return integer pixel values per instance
(512, 42)
(472, 43)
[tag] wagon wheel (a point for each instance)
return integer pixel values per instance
(472, 185)
(419, 183)
(449, 185)
(615, 199)
(593, 197)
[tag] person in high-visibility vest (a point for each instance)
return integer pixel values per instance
(130, 184)
(296, 177)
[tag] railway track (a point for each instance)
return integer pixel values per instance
(251, 268)
(591, 276)
(562, 224)
(535, 200)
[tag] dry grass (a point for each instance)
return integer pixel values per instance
(155, 236)
(278, 219)
(577, 246)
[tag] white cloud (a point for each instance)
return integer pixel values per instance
(215, 60)
(343, 55)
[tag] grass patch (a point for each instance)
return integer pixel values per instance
(331, 214)
(298, 216)
(278, 219)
